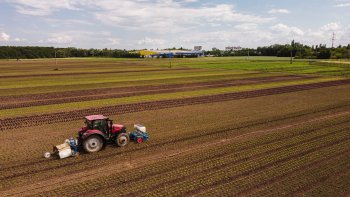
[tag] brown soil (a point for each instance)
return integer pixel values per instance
(102, 171)
(35, 120)
(89, 73)
(107, 93)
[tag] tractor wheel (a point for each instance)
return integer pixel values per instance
(93, 144)
(47, 155)
(122, 139)
(139, 140)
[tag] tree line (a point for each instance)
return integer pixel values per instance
(30, 52)
(295, 49)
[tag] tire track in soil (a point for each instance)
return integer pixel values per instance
(315, 164)
(138, 91)
(263, 167)
(42, 119)
(139, 193)
(144, 161)
(92, 73)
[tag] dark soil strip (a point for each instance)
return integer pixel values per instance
(91, 73)
(266, 166)
(143, 90)
(36, 120)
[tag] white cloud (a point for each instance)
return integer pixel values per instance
(113, 41)
(331, 27)
(286, 30)
(42, 7)
(151, 41)
(342, 3)
(279, 11)
(169, 16)
(246, 26)
(60, 39)
(4, 36)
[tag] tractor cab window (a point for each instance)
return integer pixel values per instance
(101, 125)
(88, 124)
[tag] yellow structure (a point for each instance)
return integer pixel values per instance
(147, 53)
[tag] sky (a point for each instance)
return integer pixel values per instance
(152, 24)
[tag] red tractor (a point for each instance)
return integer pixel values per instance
(99, 131)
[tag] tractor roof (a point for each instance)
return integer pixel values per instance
(95, 117)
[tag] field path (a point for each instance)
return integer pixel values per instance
(79, 177)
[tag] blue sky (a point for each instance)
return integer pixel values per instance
(160, 24)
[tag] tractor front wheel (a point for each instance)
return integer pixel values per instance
(93, 144)
(139, 140)
(122, 139)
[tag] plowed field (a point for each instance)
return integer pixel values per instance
(213, 131)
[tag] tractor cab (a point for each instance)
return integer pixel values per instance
(100, 130)
(100, 123)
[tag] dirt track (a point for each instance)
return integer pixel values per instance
(35, 120)
(96, 94)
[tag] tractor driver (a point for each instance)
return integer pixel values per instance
(73, 145)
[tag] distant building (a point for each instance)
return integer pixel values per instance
(197, 48)
(238, 48)
(171, 53)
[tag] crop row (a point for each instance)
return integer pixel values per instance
(236, 152)
(35, 120)
(232, 158)
(307, 177)
(106, 157)
(89, 73)
(78, 96)
(287, 176)
(43, 165)
(338, 185)
(195, 137)
(222, 175)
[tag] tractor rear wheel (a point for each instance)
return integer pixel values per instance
(93, 144)
(122, 139)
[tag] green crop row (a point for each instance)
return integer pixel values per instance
(231, 156)
(307, 176)
(27, 82)
(131, 82)
(228, 173)
(250, 185)
(334, 186)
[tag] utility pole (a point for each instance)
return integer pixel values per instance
(55, 57)
(333, 39)
(291, 52)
